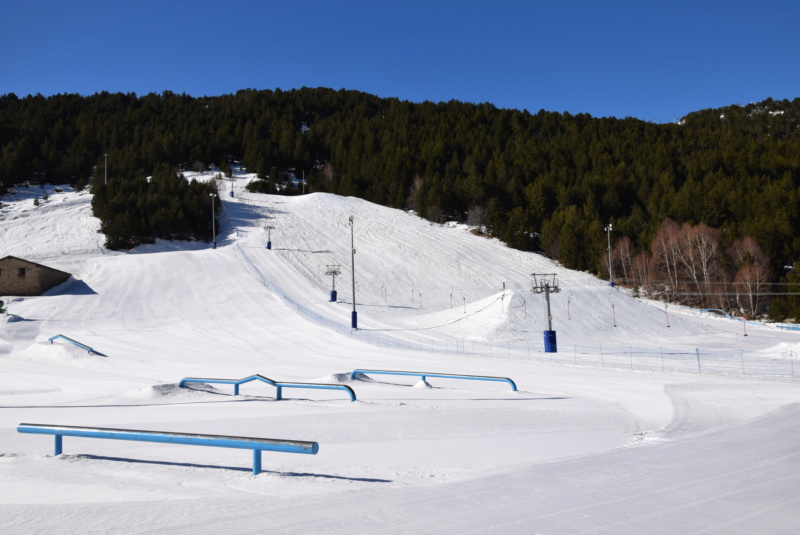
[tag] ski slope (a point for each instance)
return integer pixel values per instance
(575, 450)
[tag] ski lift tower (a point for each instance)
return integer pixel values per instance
(269, 228)
(333, 270)
(546, 283)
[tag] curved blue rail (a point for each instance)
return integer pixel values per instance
(87, 348)
(248, 443)
(424, 375)
(279, 385)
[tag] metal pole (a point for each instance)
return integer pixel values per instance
(213, 222)
(105, 169)
(354, 317)
(610, 267)
(547, 300)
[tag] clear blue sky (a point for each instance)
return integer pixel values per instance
(656, 60)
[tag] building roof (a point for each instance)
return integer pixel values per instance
(33, 264)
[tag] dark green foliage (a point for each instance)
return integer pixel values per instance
(260, 186)
(137, 211)
(787, 307)
(546, 180)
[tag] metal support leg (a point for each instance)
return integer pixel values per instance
(235, 390)
(59, 444)
(256, 462)
(279, 392)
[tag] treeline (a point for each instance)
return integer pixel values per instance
(691, 264)
(540, 181)
(166, 205)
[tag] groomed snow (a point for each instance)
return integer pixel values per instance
(575, 450)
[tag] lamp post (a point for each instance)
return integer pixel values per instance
(213, 222)
(354, 316)
(105, 169)
(608, 230)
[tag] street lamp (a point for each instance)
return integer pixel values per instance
(105, 169)
(608, 230)
(354, 316)
(213, 222)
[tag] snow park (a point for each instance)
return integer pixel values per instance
(335, 366)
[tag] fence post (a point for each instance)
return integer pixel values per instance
(256, 462)
(697, 352)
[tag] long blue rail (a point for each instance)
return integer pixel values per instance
(87, 348)
(279, 385)
(247, 443)
(425, 375)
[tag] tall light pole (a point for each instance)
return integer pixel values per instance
(105, 169)
(354, 316)
(608, 229)
(213, 222)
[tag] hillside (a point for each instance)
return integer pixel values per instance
(574, 449)
(543, 181)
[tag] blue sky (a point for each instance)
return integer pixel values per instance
(655, 60)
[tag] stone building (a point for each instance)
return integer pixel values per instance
(20, 277)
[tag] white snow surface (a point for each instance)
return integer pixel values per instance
(575, 450)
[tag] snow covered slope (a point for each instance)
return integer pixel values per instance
(574, 450)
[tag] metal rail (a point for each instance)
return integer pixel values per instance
(70, 340)
(279, 385)
(425, 375)
(247, 443)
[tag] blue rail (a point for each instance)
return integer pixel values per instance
(247, 443)
(425, 375)
(279, 385)
(87, 348)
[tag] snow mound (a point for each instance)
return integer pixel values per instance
(335, 378)
(58, 354)
(363, 377)
(422, 384)
(171, 390)
(475, 321)
(12, 318)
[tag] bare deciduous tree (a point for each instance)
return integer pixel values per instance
(666, 259)
(476, 216)
(413, 201)
(699, 257)
(752, 277)
(641, 272)
(328, 174)
(621, 256)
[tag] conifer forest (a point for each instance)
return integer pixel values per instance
(704, 211)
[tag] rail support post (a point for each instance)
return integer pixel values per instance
(279, 393)
(59, 445)
(236, 389)
(256, 462)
